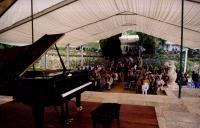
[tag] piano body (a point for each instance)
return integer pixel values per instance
(39, 90)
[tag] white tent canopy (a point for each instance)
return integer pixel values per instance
(85, 21)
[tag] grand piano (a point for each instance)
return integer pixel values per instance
(36, 88)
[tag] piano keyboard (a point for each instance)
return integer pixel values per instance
(76, 89)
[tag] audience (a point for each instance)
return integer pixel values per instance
(145, 79)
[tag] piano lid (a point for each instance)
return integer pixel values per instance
(15, 61)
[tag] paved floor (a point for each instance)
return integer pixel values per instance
(171, 111)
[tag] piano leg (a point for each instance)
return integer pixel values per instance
(38, 115)
(65, 117)
(66, 108)
(62, 114)
(78, 103)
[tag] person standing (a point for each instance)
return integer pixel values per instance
(145, 86)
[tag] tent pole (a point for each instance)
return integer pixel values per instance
(185, 60)
(181, 50)
(32, 27)
(67, 58)
(81, 55)
(32, 21)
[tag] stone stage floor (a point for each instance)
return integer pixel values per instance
(171, 111)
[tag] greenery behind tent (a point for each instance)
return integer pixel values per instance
(110, 47)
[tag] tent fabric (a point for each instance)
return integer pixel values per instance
(22, 9)
(85, 21)
(4, 5)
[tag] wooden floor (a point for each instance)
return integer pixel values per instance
(17, 115)
(119, 88)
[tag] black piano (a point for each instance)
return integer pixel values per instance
(36, 88)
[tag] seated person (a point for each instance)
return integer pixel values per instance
(109, 82)
(127, 84)
(115, 78)
(152, 86)
(185, 80)
(159, 83)
(139, 85)
(102, 83)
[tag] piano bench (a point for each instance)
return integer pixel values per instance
(105, 114)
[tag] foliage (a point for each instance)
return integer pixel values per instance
(111, 47)
(147, 42)
(195, 60)
(91, 49)
(158, 61)
(92, 45)
(4, 46)
(129, 32)
(150, 43)
(193, 52)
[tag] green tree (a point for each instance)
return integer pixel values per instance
(110, 47)
(147, 42)
(190, 52)
(150, 43)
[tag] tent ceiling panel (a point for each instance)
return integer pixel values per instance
(12, 17)
(192, 16)
(85, 21)
(168, 11)
(161, 29)
(110, 33)
(22, 9)
(100, 8)
(5, 5)
(94, 38)
(49, 25)
(68, 40)
(107, 26)
(126, 5)
(40, 5)
(100, 36)
(74, 15)
(78, 34)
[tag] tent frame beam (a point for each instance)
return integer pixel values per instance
(194, 1)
